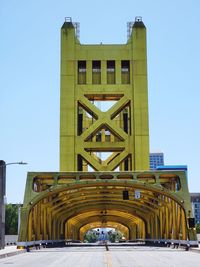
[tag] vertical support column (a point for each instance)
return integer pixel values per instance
(49, 224)
(103, 136)
(167, 219)
(152, 225)
(103, 72)
(178, 221)
(133, 232)
(76, 233)
(62, 230)
(171, 219)
(89, 72)
(34, 223)
(24, 229)
(174, 219)
(143, 231)
(148, 228)
(54, 228)
(45, 223)
(38, 221)
(58, 229)
(118, 71)
(139, 107)
(30, 226)
(183, 224)
(161, 223)
(42, 221)
(156, 226)
(68, 231)
(67, 98)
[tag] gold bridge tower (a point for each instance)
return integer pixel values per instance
(104, 178)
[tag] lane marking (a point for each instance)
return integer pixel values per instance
(108, 259)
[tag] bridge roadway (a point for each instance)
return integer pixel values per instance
(131, 256)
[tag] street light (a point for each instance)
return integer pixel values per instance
(3, 165)
(11, 163)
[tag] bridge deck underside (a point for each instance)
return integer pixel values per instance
(140, 204)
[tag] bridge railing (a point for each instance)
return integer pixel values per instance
(148, 242)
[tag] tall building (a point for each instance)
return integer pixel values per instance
(195, 200)
(104, 73)
(156, 159)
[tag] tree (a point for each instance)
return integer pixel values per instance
(90, 237)
(198, 228)
(114, 235)
(11, 219)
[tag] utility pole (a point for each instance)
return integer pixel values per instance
(3, 165)
(2, 204)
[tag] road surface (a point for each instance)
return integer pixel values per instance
(98, 257)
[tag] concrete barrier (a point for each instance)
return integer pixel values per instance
(11, 240)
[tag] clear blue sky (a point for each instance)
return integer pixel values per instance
(30, 63)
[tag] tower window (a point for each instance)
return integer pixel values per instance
(110, 71)
(125, 71)
(96, 72)
(81, 72)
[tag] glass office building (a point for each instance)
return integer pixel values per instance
(156, 159)
(195, 199)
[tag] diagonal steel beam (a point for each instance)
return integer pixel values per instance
(118, 107)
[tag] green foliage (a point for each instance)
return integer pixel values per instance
(198, 228)
(93, 236)
(90, 237)
(114, 236)
(11, 217)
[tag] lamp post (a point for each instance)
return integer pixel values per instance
(3, 165)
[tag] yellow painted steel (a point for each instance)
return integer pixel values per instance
(59, 205)
(94, 73)
(65, 204)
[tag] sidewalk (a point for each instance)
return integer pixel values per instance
(197, 250)
(10, 251)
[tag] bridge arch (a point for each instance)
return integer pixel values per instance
(61, 210)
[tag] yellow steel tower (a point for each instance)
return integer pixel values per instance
(142, 204)
(91, 74)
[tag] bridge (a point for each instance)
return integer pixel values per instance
(66, 205)
(104, 178)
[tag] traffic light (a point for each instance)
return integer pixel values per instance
(125, 195)
(191, 222)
